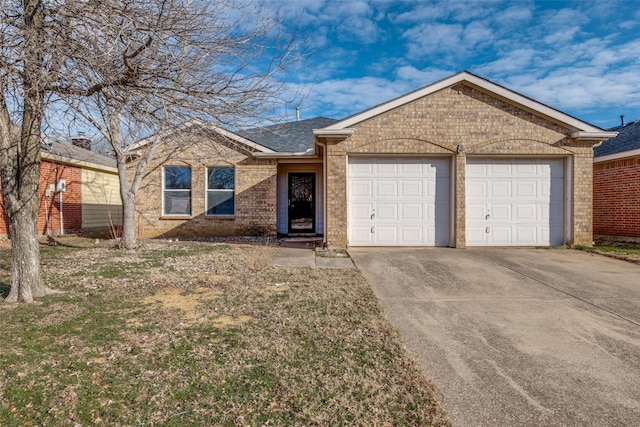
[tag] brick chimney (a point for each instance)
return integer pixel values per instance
(81, 141)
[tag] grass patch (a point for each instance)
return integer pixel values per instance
(189, 333)
(613, 247)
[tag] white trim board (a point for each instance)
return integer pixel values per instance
(616, 156)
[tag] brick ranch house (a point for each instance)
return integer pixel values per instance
(616, 185)
(461, 162)
(90, 199)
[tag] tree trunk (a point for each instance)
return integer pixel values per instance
(128, 197)
(26, 282)
(22, 209)
(129, 229)
(23, 166)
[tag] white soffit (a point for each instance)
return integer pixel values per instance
(478, 83)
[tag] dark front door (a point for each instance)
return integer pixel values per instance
(302, 202)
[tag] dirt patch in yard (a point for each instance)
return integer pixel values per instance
(187, 302)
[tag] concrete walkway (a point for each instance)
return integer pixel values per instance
(296, 257)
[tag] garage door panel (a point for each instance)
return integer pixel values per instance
(411, 168)
(500, 188)
(543, 212)
(526, 212)
(500, 235)
(386, 188)
(526, 169)
(413, 235)
(412, 188)
(524, 205)
(476, 236)
(410, 204)
(476, 188)
(500, 168)
(526, 235)
(361, 211)
(386, 169)
(476, 211)
(360, 188)
(413, 212)
(359, 168)
(361, 235)
(386, 235)
(386, 212)
(498, 212)
(476, 170)
(526, 189)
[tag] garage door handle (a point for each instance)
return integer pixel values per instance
(487, 217)
(373, 216)
(373, 230)
(487, 230)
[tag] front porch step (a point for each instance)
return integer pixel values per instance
(301, 242)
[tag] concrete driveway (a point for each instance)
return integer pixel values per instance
(517, 337)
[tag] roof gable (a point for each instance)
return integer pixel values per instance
(478, 83)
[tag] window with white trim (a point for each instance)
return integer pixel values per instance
(221, 184)
(176, 190)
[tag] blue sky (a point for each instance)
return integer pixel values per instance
(581, 57)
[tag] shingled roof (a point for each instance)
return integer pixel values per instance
(628, 139)
(294, 137)
(72, 152)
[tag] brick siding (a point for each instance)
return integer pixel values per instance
(616, 198)
(49, 209)
(255, 190)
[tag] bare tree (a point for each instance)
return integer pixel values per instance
(211, 61)
(130, 68)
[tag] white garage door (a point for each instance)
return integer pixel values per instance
(515, 202)
(398, 201)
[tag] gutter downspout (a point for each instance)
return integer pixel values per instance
(324, 190)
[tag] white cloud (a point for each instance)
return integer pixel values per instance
(514, 15)
(428, 39)
(424, 77)
(562, 36)
(342, 98)
(477, 33)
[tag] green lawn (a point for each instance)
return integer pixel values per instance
(202, 334)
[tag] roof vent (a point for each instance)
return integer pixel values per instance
(621, 120)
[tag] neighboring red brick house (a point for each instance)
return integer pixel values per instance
(90, 185)
(616, 185)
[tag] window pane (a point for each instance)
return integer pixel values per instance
(221, 179)
(177, 178)
(177, 202)
(220, 203)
